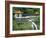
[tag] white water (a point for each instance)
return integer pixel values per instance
(33, 24)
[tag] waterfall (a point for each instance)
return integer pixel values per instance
(33, 24)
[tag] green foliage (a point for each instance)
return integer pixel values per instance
(39, 22)
(25, 25)
(27, 10)
(22, 26)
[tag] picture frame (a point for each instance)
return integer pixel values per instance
(9, 5)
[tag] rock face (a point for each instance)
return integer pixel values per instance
(21, 20)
